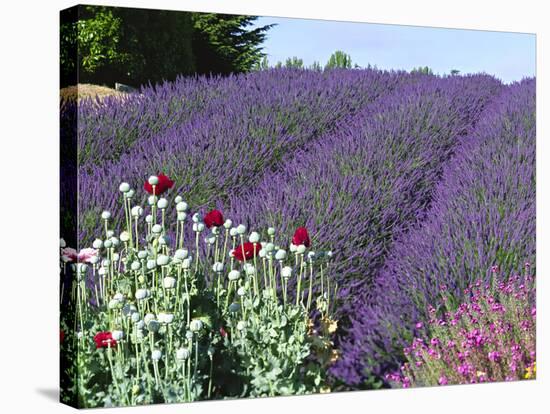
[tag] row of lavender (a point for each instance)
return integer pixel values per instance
(483, 215)
(247, 125)
(358, 189)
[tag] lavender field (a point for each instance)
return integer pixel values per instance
(417, 196)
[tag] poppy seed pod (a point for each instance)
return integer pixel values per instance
(182, 354)
(142, 294)
(153, 325)
(135, 317)
(286, 272)
(106, 215)
(113, 304)
(101, 271)
(196, 218)
(241, 291)
(116, 256)
(215, 230)
(124, 187)
(156, 355)
(163, 240)
(254, 237)
(228, 223)
(186, 263)
(169, 282)
(162, 260)
(82, 267)
(234, 307)
(148, 218)
(182, 216)
(293, 248)
(241, 229)
(94, 259)
(234, 275)
(135, 265)
(115, 241)
(119, 297)
(168, 318)
(271, 231)
(108, 244)
(130, 193)
(182, 207)
(198, 227)
(97, 244)
(241, 325)
(142, 254)
(62, 243)
(311, 256)
(152, 200)
(125, 236)
(262, 253)
(157, 229)
(140, 324)
(269, 247)
(162, 203)
(195, 325)
(181, 254)
(217, 267)
(153, 180)
(280, 255)
(189, 335)
(137, 211)
(128, 309)
(178, 199)
(249, 269)
(151, 264)
(149, 317)
(233, 232)
(117, 335)
(301, 249)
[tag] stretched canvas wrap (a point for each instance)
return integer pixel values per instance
(257, 206)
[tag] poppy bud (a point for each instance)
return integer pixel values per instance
(124, 187)
(301, 249)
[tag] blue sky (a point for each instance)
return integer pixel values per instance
(508, 56)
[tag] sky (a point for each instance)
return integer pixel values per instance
(508, 56)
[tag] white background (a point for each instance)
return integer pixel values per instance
(29, 202)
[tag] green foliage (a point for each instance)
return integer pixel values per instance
(316, 66)
(455, 72)
(137, 46)
(423, 69)
(294, 63)
(340, 60)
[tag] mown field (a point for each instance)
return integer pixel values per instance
(416, 183)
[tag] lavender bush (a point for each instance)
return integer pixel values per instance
(483, 214)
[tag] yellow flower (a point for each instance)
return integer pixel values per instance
(324, 390)
(531, 372)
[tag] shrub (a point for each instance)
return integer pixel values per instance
(171, 319)
(489, 337)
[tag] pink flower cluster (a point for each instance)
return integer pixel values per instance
(489, 337)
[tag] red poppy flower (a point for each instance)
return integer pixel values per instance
(250, 249)
(104, 340)
(213, 218)
(223, 332)
(163, 185)
(301, 237)
(61, 336)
